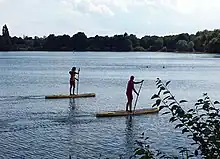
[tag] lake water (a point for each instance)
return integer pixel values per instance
(34, 127)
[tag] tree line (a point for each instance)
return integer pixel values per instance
(202, 41)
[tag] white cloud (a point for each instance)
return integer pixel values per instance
(108, 17)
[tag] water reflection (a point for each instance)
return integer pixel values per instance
(72, 128)
(72, 103)
(129, 136)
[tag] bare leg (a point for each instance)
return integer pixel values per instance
(70, 89)
(130, 106)
(73, 90)
(127, 106)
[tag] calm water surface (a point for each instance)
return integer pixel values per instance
(33, 127)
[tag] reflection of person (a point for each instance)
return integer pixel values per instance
(129, 122)
(129, 136)
(72, 103)
(130, 89)
(72, 79)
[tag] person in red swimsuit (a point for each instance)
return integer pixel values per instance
(130, 88)
(73, 78)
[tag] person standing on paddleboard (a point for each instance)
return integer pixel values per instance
(73, 78)
(130, 89)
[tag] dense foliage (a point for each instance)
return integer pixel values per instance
(202, 41)
(201, 123)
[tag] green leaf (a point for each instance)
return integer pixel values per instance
(158, 153)
(174, 107)
(182, 101)
(211, 108)
(196, 152)
(155, 104)
(161, 107)
(180, 112)
(172, 103)
(206, 131)
(204, 94)
(155, 96)
(183, 120)
(158, 102)
(185, 130)
(146, 156)
(140, 152)
(159, 85)
(165, 92)
(188, 116)
(213, 115)
(202, 115)
(158, 81)
(200, 100)
(179, 147)
(216, 102)
(162, 88)
(171, 98)
(197, 104)
(166, 97)
(184, 150)
(136, 149)
(206, 106)
(195, 119)
(191, 110)
(172, 119)
(167, 82)
(190, 123)
(165, 113)
(179, 126)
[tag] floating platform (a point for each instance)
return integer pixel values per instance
(125, 113)
(85, 95)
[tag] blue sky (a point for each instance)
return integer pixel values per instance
(108, 17)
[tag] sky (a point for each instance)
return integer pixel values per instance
(108, 17)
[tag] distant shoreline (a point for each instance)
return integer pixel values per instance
(201, 42)
(177, 52)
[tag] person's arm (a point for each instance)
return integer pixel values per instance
(134, 89)
(78, 71)
(138, 82)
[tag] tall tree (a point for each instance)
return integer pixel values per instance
(5, 39)
(5, 31)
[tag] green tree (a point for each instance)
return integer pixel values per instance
(214, 45)
(79, 41)
(191, 46)
(182, 45)
(5, 39)
(5, 32)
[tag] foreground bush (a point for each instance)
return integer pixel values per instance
(201, 123)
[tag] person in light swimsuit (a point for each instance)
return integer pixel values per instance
(73, 79)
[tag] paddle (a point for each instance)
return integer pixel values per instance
(78, 82)
(138, 95)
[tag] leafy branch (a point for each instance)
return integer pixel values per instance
(201, 122)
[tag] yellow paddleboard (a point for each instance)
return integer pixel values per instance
(85, 95)
(125, 113)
